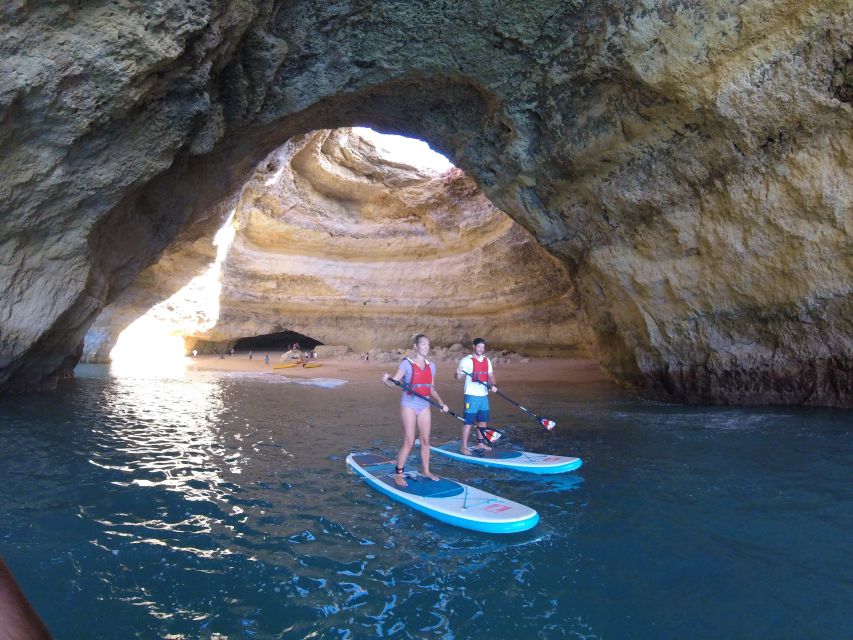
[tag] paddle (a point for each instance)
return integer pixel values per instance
(491, 435)
(545, 422)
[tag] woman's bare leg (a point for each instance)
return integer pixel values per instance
(424, 421)
(408, 420)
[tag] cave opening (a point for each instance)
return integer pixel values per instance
(411, 151)
(351, 237)
(280, 340)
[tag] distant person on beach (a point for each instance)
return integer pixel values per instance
(19, 619)
(266, 358)
(250, 354)
(476, 368)
(418, 376)
(195, 353)
(292, 354)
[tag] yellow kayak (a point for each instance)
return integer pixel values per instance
(289, 365)
(311, 365)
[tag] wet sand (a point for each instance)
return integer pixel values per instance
(573, 370)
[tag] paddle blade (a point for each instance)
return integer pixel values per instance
(548, 424)
(491, 435)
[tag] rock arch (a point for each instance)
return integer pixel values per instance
(333, 238)
(687, 162)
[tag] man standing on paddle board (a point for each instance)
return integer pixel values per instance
(476, 368)
(418, 375)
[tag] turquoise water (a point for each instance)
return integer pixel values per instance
(220, 504)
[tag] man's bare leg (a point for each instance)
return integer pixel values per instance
(481, 442)
(466, 433)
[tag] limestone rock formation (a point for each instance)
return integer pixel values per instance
(335, 241)
(688, 161)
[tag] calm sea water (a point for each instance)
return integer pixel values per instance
(219, 505)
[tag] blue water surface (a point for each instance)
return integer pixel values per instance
(219, 505)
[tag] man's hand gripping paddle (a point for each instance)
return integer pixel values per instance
(492, 435)
(545, 422)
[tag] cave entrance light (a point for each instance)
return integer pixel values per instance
(154, 342)
(415, 153)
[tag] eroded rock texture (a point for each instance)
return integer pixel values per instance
(336, 242)
(688, 161)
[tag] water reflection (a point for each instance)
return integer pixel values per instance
(217, 505)
(163, 436)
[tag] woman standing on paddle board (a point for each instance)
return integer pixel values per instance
(418, 375)
(476, 369)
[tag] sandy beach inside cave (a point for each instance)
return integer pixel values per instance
(360, 372)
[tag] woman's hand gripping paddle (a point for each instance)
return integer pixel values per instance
(545, 422)
(492, 435)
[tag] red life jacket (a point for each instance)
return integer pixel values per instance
(480, 372)
(420, 378)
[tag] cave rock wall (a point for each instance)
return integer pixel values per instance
(688, 161)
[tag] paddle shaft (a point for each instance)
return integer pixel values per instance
(407, 388)
(507, 398)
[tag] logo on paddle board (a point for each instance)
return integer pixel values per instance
(497, 508)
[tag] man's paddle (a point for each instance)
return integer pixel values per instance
(491, 435)
(545, 422)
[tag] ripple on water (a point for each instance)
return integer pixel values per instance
(221, 505)
(261, 377)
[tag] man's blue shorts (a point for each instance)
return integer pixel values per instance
(477, 408)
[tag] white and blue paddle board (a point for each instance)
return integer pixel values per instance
(509, 459)
(444, 499)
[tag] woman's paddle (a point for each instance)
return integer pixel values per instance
(545, 422)
(491, 435)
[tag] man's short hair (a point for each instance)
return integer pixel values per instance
(478, 341)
